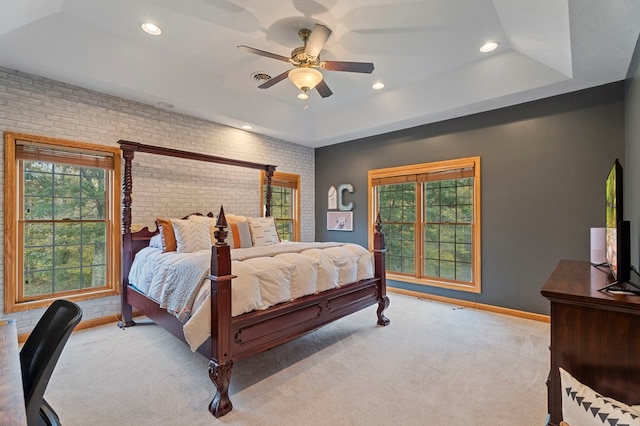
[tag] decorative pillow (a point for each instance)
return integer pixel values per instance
(210, 221)
(191, 235)
(263, 231)
(582, 406)
(238, 235)
(167, 235)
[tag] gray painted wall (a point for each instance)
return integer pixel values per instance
(632, 154)
(544, 165)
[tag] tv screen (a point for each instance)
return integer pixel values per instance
(617, 230)
(613, 215)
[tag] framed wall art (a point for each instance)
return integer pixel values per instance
(340, 221)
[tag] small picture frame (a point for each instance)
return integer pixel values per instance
(340, 221)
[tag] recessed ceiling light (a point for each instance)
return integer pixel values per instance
(489, 47)
(303, 95)
(377, 86)
(150, 28)
(247, 127)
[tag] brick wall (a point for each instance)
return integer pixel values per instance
(162, 186)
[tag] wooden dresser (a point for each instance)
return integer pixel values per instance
(595, 335)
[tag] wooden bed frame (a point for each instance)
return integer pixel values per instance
(235, 338)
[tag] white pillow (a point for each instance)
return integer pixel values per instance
(191, 235)
(263, 231)
(210, 221)
(582, 406)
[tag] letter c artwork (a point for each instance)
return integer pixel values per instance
(341, 188)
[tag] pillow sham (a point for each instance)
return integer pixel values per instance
(263, 231)
(582, 406)
(191, 235)
(167, 235)
(238, 235)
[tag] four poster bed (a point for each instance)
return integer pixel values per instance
(237, 331)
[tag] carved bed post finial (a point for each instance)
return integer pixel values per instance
(378, 228)
(220, 251)
(267, 202)
(221, 223)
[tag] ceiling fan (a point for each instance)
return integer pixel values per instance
(306, 59)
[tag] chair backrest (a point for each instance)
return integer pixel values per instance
(41, 351)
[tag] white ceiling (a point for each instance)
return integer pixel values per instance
(425, 51)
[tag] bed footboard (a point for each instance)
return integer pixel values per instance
(235, 338)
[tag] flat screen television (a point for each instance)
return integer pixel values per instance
(618, 238)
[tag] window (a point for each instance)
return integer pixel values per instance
(62, 224)
(431, 221)
(285, 203)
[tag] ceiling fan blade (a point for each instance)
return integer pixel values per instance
(323, 89)
(317, 39)
(263, 53)
(363, 67)
(274, 80)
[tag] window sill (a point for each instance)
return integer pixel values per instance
(451, 285)
(74, 297)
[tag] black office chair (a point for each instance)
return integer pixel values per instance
(39, 355)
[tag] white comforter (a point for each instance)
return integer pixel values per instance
(265, 276)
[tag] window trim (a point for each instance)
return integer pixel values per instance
(12, 262)
(286, 180)
(409, 172)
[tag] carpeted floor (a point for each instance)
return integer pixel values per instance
(436, 364)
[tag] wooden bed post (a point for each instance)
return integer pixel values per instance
(127, 243)
(267, 199)
(221, 363)
(379, 249)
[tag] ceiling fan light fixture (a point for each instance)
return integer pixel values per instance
(305, 77)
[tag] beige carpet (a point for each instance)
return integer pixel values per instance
(436, 364)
